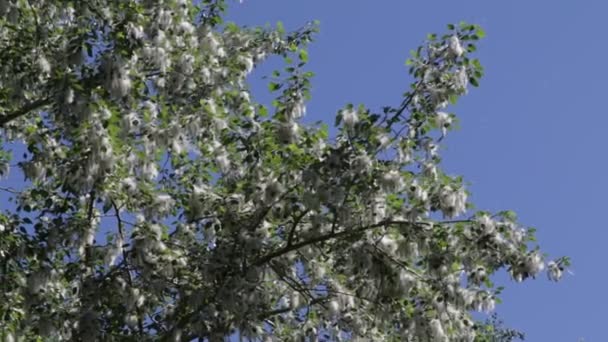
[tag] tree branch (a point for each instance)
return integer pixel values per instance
(140, 323)
(334, 235)
(317, 300)
(6, 118)
(294, 226)
(264, 259)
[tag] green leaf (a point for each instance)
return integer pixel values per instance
(476, 63)
(304, 55)
(410, 310)
(453, 99)
(324, 131)
(262, 111)
(309, 74)
(273, 86)
(480, 32)
(232, 27)
(280, 27)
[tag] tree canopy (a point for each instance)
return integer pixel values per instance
(162, 202)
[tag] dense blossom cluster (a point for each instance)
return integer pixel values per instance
(163, 202)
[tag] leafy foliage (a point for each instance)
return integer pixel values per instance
(494, 331)
(163, 203)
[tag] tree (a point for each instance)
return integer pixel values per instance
(163, 203)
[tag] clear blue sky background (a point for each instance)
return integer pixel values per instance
(532, 137)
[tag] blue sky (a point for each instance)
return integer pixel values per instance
(531, 137)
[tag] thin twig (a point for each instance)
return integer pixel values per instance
(11, 190)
